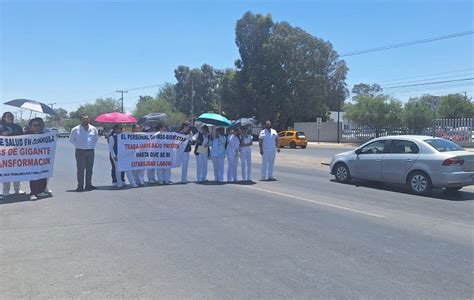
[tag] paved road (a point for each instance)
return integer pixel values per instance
(303, 236)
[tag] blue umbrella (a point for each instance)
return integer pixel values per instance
(214, 119)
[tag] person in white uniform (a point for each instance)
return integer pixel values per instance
(138, 175)
(186, 130)
(246, 154)
(218, 154)
(202, 153)
(113, 148)
(268, 143)
(163, 175)
(232, 151)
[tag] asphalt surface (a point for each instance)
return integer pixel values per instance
(303, 236)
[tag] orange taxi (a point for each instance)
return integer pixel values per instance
(292, 138)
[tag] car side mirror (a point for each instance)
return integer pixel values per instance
(358, 151)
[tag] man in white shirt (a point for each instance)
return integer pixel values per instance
(268, 143)
(84, 137)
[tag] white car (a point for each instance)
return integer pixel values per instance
(420, 162)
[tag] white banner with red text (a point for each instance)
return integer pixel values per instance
(138, 151)
(27, 157)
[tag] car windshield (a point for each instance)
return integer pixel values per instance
(443, 145)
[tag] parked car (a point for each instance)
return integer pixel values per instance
(420, 162)
(63, 134)
(292, 138)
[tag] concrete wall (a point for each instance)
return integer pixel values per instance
(327, 133)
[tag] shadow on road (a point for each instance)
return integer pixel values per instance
(441, 194)
(12, 198)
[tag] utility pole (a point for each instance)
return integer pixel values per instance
(122, 91)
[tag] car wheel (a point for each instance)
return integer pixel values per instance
(453, 189)
(342, 173)
(303, 147)
(293, 145)
(420, 183)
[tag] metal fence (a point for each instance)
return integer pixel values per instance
(460, 131)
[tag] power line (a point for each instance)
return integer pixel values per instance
(427, 79)
(426, 75)
(428, 83)
(406, 44)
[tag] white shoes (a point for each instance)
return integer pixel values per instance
(19, 192)
(33, 197)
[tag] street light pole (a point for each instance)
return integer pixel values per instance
(192, 100)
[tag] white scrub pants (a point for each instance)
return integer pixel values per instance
(246, 160)
(232, 161)
(130, 177)
(201, 167)
(139, 176)
(164, 175)
(218, 164)
(6, 187)
(184, 167)
(268, 161)
(151, 175)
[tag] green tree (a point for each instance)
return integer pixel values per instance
(378, 112)
(98, 107)
(147, 104)
(417, 114)
(366, 90)
(285, 74)
(196, 90)
(456, 106)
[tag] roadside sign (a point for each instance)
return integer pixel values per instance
(435, 103)
(319, 122)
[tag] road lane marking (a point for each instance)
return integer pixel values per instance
(314, 201)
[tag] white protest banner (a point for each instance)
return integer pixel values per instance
(137, 151)
(27, 157)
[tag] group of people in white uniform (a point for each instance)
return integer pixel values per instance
(212, 145)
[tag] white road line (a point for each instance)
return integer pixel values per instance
(314, 201)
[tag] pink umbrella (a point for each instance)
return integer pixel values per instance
(115, 117)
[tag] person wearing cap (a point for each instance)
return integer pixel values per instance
(113, 148)
(268, 144)
(202, 153)
(185, 129)
(9, 128)
(246, 154)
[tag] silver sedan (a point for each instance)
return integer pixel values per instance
(420, 162)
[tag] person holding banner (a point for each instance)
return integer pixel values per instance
(37, 187)
(232, 152)
(9, 128)
(202, 153)
(164, 175)
(246, 154)
(84, 137)
(218, 154)
(138, 175)
(113, 148)
(151, 174)
(185, 129)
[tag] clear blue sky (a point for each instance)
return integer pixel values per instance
(71, 52)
